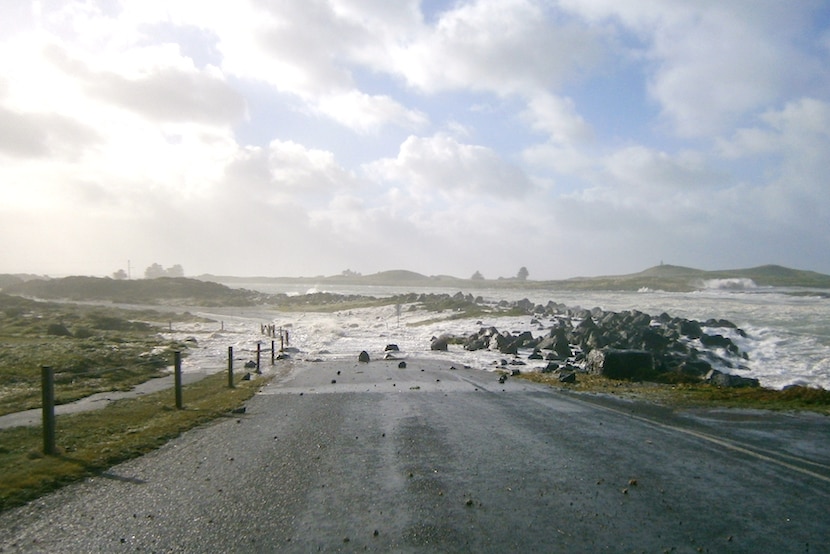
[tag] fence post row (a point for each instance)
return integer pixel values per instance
(47, 388)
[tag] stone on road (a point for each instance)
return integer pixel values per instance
(432, 459)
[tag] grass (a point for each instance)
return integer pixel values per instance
(91, 348)
(91, 442)
(697, 395)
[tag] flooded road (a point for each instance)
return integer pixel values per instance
(341, 456)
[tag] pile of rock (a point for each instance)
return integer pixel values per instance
(620, 345)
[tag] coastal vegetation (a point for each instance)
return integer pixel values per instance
(695, 395)
(91, 348)
(91, 442)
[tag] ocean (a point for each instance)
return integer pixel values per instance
(787, 342)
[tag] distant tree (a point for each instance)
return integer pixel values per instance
(120, 275)
(522, 274)
(175, 271)
(349, 273)
(154, 272)
(477, 276)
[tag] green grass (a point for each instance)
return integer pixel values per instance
(697, 395)
(91, 442)
(91, 349)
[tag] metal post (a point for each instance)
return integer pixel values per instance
(177, 356)
(230, 366)
(282, 340)
(258, 354)
(273, 354)
(48, 393)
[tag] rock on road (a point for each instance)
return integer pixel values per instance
(349, 457)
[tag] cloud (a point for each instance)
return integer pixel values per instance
(711, 63)
(177, 92)
(648, 169)
(506, 47)
(42, 135)
(282, 171)
(556, 117)
(368, 113)
(442, 164)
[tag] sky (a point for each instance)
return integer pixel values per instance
(310, 137)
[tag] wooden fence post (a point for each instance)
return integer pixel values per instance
(258, 354)
(273, 354)
(230, 366)
(177, 357)
(47, 377)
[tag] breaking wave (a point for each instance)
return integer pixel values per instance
(729, 284)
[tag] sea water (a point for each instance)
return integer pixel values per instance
(788, 329)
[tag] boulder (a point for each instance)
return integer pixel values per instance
(550, 368)
(720, 379)
(619, 364)
(567, 377)
(691, 329)
(363, 357)
(440, 343)
(391, 348)
(503, 343)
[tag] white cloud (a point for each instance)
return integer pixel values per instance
(442, 164)
(41, 135)
(556, 117)
(648, 169)
(800, 129)
(368, 113)
(712, 62)
(507, 47)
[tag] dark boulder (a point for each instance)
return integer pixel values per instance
(720, 323)
(363, 357)
(695, 367)
(550, 368)
(717, 341)
(690, 328)
(620, 364)
(567, 376)
(504, 343)
(391, 348)
(440, 343)
(720, 379)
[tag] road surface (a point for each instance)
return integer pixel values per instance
(351, 457)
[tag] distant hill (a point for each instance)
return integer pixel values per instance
(662, 277)
(209, 290)
(167, 290)
(683, 279)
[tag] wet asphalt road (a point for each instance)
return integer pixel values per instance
(434, 459)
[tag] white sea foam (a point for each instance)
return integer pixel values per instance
(788, 337)
(729, 284)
